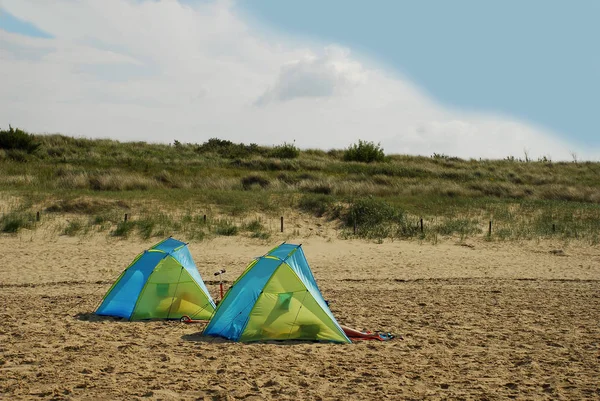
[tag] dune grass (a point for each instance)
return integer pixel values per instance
(168, 189)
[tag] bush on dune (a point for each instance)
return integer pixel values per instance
(17, 139)
(364, 151)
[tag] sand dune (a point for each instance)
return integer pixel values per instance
(482, 320)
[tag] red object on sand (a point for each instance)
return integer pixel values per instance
(365, 335)
(187, 319)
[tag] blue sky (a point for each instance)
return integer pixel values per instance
(465, 78)
(537, 60)
(10, 23)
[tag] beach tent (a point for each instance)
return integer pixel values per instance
(161, 283)
(276, 298)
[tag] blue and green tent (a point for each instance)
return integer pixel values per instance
(161, 283)
(276, 298)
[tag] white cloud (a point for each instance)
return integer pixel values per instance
(327, 75)
(161, 70)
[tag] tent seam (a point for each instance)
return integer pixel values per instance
(176, 287)
(299, 309)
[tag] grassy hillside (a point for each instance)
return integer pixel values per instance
(167, 189)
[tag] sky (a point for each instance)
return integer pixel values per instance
(465, 78)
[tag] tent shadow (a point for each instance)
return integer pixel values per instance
(92, 317)
(199, 338)
(282, 343)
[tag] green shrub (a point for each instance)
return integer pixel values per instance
(369, 212)
(146, 228)
(285, 151)
(215, 145)
(377, 219)
(123, 229)
(15, 221)
(257, 230)
(254, 226)
(226, 228)
(17, 139)
(100, 219)
(230, 150)
(73, 228)
(364, 151)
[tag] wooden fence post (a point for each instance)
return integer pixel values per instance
(421, 221)
(204, 219)
(37, 216)
(125, 219)
(281, 223)
(490, 229)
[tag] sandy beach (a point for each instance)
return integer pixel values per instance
(475, 320)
